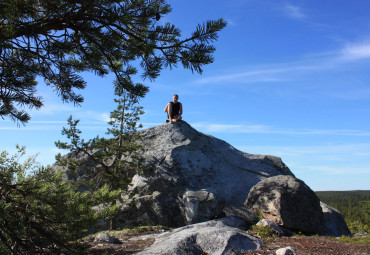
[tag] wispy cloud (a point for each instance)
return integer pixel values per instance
(51, 125)
(338, 159)
(53, 108)
(294, 12)
(352, 94)
(354, 52)
(337, 170)
(340, 150)
(263, 74)
(279, 72)
(264, 129)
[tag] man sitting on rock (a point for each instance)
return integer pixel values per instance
(174, 110)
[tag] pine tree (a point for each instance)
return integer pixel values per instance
(58, 39)
(123, 148)
(102, 161)
(40, 212)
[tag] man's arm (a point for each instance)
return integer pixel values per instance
(167, 109)
(180, 109)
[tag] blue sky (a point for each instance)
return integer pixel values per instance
(290, 79)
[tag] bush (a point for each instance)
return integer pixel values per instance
(356, 226)
(261, 232)
(40, 212)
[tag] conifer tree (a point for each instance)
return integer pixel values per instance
(102, 161)
(40, 212)
(56, 40)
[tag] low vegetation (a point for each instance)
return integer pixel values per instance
(40, 211)
(263, 232)
(140, 230)
(354, 239)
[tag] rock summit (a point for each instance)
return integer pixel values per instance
(194, 177)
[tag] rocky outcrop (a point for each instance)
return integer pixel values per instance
(195, 177)
(334, 224)
(220, 236)
(287, 201)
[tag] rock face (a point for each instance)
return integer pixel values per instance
(212, 237)
(194, 177)
(334, 224)
(287, 201)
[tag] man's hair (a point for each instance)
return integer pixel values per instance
(176, 95)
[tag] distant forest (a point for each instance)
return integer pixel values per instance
(354, 205)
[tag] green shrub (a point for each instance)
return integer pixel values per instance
(357, 227)
(261, 232)
(39, 209)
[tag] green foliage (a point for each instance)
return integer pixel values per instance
(263, 232)
(122, 233)
(355, 239)
(259, 214)
(39, 210)
(137, 230)
(58, 39)
(143, 229)
(354, 205)
(110, 162)
(357, 226)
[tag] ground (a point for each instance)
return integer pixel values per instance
(133, 242)
(314, 245)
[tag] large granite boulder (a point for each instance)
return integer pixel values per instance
(220, 236)
(194, 177)
(334, 224)
(287, 201)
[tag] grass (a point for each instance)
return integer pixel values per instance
(129, 231)
(137, 230)
(354, 239)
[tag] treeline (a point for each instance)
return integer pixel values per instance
(354, 205)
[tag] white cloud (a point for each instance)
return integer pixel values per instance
(352, 94)
(294, 12)
(264, 129)
(230, 22)
(263, 74)
(52, 125)
(30, 128)
(344, 150)
(352, 52)
(313, 63)
(336, 170)
(53, 108)
(99, 117)
(337, 159)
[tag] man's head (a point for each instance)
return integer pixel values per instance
(175, 98)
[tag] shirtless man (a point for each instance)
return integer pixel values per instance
(174, 110)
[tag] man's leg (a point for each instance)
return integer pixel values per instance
(176, 118)
(169, 112)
